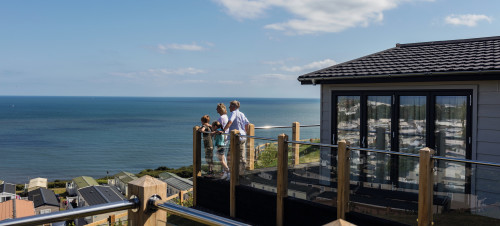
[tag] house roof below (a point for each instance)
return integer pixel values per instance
(465, 59)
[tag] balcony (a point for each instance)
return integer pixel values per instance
(303, 182)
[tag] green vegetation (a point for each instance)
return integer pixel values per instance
(269, 156)
(185, 171)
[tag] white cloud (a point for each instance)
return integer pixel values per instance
(194, 81)
(314, 16)
(310, 66)
(179, 71)
(228, 82)
(244, 9)
(159, 72)
(276, 77)
(186, 47)
(469, 20)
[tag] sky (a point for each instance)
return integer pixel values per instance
(211, 48)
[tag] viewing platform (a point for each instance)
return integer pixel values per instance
(290, 182)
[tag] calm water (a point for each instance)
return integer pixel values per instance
(66, 137)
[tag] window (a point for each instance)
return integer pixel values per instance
(404, 121)
(45, 211)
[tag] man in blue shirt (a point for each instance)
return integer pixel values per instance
(238, 121)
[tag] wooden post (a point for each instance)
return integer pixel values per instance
(282, 180)
(425, 187)
(143, 188)
(196, 161)
(343, 170)
(251, 148)
(296, 137)
(111, 219)
(235, 171)
(181, 197)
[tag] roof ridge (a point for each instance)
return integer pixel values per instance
(447, 42)
(102, 194)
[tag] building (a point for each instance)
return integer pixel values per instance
(37, 183)
(95, 195)
(16, 208)
(120, 181)
(7, 192)
(44, 200)
(176, 184)
(78, 183)
(444, 95)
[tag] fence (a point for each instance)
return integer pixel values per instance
(425, 158)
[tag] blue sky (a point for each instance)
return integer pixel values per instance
(213, 48)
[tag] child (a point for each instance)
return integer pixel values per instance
(206, 129)
(220, 144)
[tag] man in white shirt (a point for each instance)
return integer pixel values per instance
(238, 121)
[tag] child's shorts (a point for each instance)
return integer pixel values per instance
(220, 150)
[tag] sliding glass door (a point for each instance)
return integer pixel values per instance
(404, 121)
(412, 137)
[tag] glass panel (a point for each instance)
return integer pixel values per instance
(264, 175)
(412, 138)
(451, 121)
(383, 200)
(348, 119)
(348, 127)
(455, 207)
(379, 137)
(305, 180)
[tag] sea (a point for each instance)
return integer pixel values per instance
(60, 138)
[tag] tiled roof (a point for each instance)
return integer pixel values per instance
(42, 197)
(467, 58)
(175, 181)
(84, 181)
(94, 195)
(125, 177)
(8, 188)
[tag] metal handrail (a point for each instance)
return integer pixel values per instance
(466, 161)
(284, 127)
(192, 214)
(380, 151)
(73, 214)
(196, 215)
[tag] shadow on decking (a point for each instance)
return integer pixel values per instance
(258, 207)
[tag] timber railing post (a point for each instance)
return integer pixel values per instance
(282, 180)
(425, 187)
(234, 168)
(343, 180)
(196, 161)
(296, 137)
(251, 148)
(145, 188)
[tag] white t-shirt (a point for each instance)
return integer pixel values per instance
(223, 120)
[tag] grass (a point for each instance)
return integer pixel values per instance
(269, 156)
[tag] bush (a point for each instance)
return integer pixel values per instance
(57, 184)
(19, 187)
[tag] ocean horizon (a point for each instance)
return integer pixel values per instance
(61, 137)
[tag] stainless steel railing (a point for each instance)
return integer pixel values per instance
(192, 214)
(196, 215)
(284, 127)
(73, 214)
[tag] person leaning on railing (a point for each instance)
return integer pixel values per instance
(206, 129)
(238, 121)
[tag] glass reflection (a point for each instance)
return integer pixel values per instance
(450, 134)
(348, 128)
(412, 138)
(379, 130)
